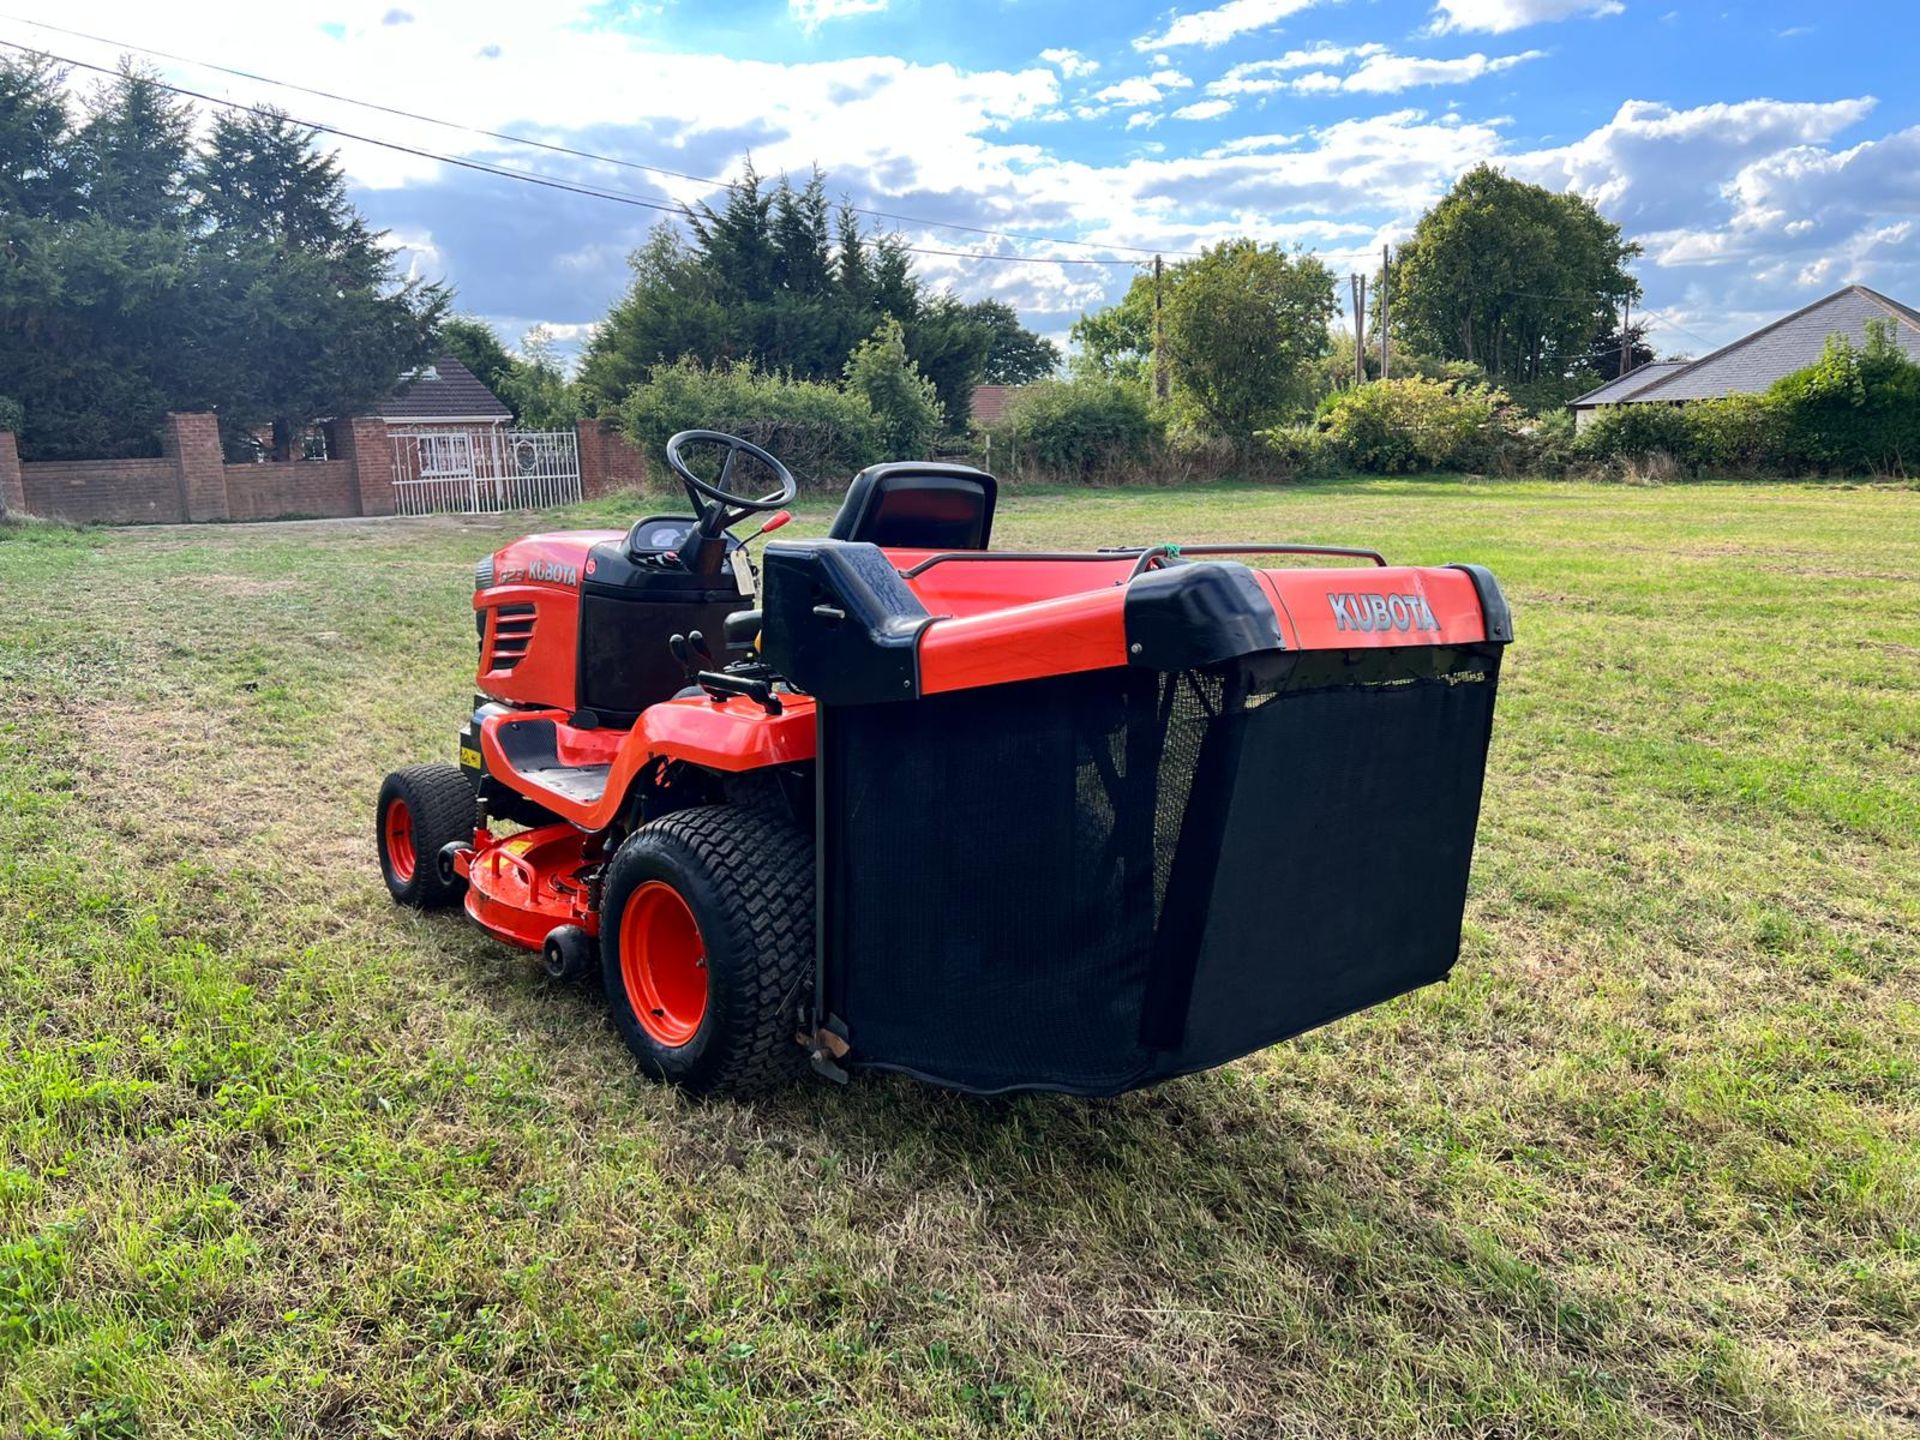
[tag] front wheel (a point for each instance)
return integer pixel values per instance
(706, 940)
(422, 809)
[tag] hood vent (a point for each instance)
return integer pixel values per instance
(512, 636)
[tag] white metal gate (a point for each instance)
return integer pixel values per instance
(440, 469)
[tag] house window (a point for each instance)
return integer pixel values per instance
(446, 457)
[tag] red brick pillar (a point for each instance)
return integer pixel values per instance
(191, 440)
(13, 488)
(363, 441)
(608, 460)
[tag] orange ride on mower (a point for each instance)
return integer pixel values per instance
(894, 800)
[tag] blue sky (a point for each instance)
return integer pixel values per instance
(1763, 153)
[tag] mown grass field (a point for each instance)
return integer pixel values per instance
(276, 1159)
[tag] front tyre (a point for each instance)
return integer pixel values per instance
(706, 940)
(422, 809)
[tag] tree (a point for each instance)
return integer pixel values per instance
(141, 273)
(1513, 277)
(1015, 355)
(35, 178)
(1117, 343)
(905, 401)
(536, 388)
(132, 153)
(474, 343)
(316, 319)
(770, 275)
(1243, 326)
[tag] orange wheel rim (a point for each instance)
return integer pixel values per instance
(399, 828)
(663, 963)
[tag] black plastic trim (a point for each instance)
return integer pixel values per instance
(840, 622)
(1493, 604)
(1188, 616)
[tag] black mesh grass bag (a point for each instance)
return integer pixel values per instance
(1091, 882)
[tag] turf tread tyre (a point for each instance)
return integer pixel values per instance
(441, 799)
(748, 877)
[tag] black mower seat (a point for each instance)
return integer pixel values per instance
(918, 505)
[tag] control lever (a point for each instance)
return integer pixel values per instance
(774, 522)
(683, 654)
(697, 643)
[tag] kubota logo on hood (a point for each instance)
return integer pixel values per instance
(1382, 612)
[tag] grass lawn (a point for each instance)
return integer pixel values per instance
(276, 1158)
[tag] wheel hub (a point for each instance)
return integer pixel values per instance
(663, 963)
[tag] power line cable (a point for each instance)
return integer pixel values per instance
(620, 197)
(552, 147)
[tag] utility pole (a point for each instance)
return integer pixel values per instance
(1626, 340)
(1359, 282)
(1159, 339)
(1386, 289)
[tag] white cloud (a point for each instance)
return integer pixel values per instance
(1390, 74)
(1222, 23)
(1071, 63)
(1170, 80)
(1379, 72)
(1139, 90)
(813, 13)
(1497, 17)
(1654, 168)
(1203, 110)
(1142, 120)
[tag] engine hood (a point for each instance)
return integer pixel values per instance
(558, 558)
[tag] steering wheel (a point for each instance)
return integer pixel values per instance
(728, 509)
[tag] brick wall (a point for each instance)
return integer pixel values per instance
(118, 492)
(608, 461)
(13, 494)
(296, 488)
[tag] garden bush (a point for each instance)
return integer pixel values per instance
(1395, 426)
(823, 433)
(902, 399)
(1078, 429)
(1634, 433)
(1856, 410)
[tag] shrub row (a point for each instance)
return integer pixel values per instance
(822, 432)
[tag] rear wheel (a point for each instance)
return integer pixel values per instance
(421, 810)
(706, 938)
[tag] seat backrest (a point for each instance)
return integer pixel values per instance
(918, 505)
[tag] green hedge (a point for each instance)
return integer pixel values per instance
(824, 434)
(1856, 411)
(1396, 426)
(1077, 429)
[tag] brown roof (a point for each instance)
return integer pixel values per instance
(445, 390)
(990, 403)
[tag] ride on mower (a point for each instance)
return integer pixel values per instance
(892, 799)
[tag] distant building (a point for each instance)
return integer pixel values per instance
(1751, 364)
(445, 424)
(990, 403)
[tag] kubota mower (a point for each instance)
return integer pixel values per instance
(895, 800)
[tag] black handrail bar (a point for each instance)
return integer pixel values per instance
(1162, 552)
(1145, 554)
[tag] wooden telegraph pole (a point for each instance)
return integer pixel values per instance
(1386, 290)
(1359, 327)
(1159, 340)
(1626, 342)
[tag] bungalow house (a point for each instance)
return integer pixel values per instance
(1751, 364)
(448, 424)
